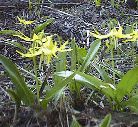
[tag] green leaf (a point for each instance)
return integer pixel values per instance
(106, 121)
(75, 123)
(14, 97)
(56, 89)
(98, 3)
(9, 32)
(60, 65)
(127, 83)
(42, 26)
(73, 55)
(61, 61)
(81, 54)
(91, 82)
(21, 88)
(132, 103)
(15, 44)
(44, 84)
(91, 54)
(108, 67)
(58, 95)
(103, 74)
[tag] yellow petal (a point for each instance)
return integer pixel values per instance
(23, 37)
(101, 36)
(29, 54)
(23, 21)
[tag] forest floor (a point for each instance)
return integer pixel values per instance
(71, 20)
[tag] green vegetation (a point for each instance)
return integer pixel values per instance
(72, 68)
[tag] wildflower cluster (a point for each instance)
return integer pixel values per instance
(43, 46)
(117, 33)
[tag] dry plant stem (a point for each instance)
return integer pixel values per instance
(15, 116)
(30, 4)
(67, 117)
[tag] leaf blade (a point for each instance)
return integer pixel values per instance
(41, 27)
(56, 89)
(21, 88)
(106, 121)
(90, 55)
(127, 83)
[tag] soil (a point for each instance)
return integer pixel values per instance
(72, 18)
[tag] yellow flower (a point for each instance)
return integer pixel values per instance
(134, 35)
(23, 21)
(39, 38)
(23, 37)
(118, 33)
(46, 49)
(100, 36)
(113, 33)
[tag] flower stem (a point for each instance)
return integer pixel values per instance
(36, 79)
(113, 64)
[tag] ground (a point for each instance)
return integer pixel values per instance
(71, 19)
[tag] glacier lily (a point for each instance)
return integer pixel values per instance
(134, 35)
(114, 33)
(24, 22)
(43, 46)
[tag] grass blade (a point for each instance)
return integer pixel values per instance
(106, 121)
(75, 123)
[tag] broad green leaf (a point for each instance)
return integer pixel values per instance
(106, 121)
(42, 26)
(14, 97)
(81, 54)
(90, 81)
(21, 88)
(56, 89)
(75, 123)
(9, 32)
(132, 103)
(60, 65)
(61, 61)
(90, 55)
(127, 83)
